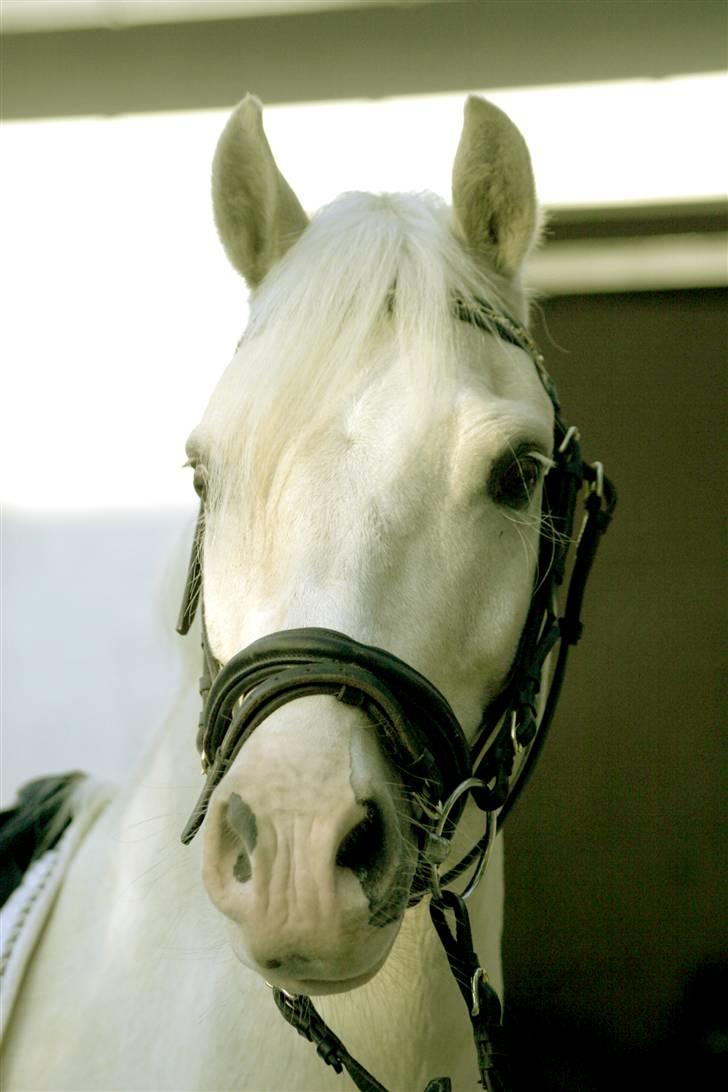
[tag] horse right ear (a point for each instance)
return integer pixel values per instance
(257, 213)
(494, 198)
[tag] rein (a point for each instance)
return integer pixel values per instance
(417, 726)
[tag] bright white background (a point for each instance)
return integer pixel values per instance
(120, 312)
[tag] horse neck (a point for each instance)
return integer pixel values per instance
(154, 805)
(133, 857)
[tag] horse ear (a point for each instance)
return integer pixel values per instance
(257, 213)
(494, 197)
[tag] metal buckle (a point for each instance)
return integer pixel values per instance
(572, 433)
(517, 747)
(290, 997)
(597, 486)
(479, 976)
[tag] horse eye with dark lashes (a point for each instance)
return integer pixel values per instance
(514, 477)
(199, 481)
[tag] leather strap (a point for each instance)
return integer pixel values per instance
(193, 581)
(300, 1013)
(298, 1010)
(481, 1000)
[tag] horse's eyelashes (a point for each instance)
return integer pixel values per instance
(513, 479)
(199, 480)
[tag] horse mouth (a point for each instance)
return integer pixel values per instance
(297, 974)
(319, 987)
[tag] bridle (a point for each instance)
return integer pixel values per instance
(415, 723)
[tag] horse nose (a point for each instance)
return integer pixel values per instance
(260, 856)
(299, 883)
(361, 847)
(306, 850)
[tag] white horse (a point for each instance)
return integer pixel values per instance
(372, 464)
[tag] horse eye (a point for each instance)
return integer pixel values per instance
(513, 480)
(199, 481)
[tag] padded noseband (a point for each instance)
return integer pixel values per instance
(415, 724)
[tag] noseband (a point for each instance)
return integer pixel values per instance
(414, 722)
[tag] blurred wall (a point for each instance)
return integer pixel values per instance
(91, 665)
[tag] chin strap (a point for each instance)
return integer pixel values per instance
(298, 1010)
(481, 1000)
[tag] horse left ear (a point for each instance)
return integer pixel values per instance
(257, 213)
(494, 196)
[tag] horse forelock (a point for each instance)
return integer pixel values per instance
(372, 279)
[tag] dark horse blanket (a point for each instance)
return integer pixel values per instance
(33, 826)
(38, 838)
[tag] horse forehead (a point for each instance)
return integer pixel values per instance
(495, 395)
(396, 418)
(474, 365)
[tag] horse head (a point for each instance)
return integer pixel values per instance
(369, 463)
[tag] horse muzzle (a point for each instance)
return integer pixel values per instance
(309, 848)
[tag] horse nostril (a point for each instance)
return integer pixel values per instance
(361, 849)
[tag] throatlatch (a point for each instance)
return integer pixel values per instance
(416, 725)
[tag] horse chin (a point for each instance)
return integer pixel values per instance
(317, 978)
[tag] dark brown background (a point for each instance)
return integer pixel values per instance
(615, 857)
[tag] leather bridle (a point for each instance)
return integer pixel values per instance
(416, 725)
